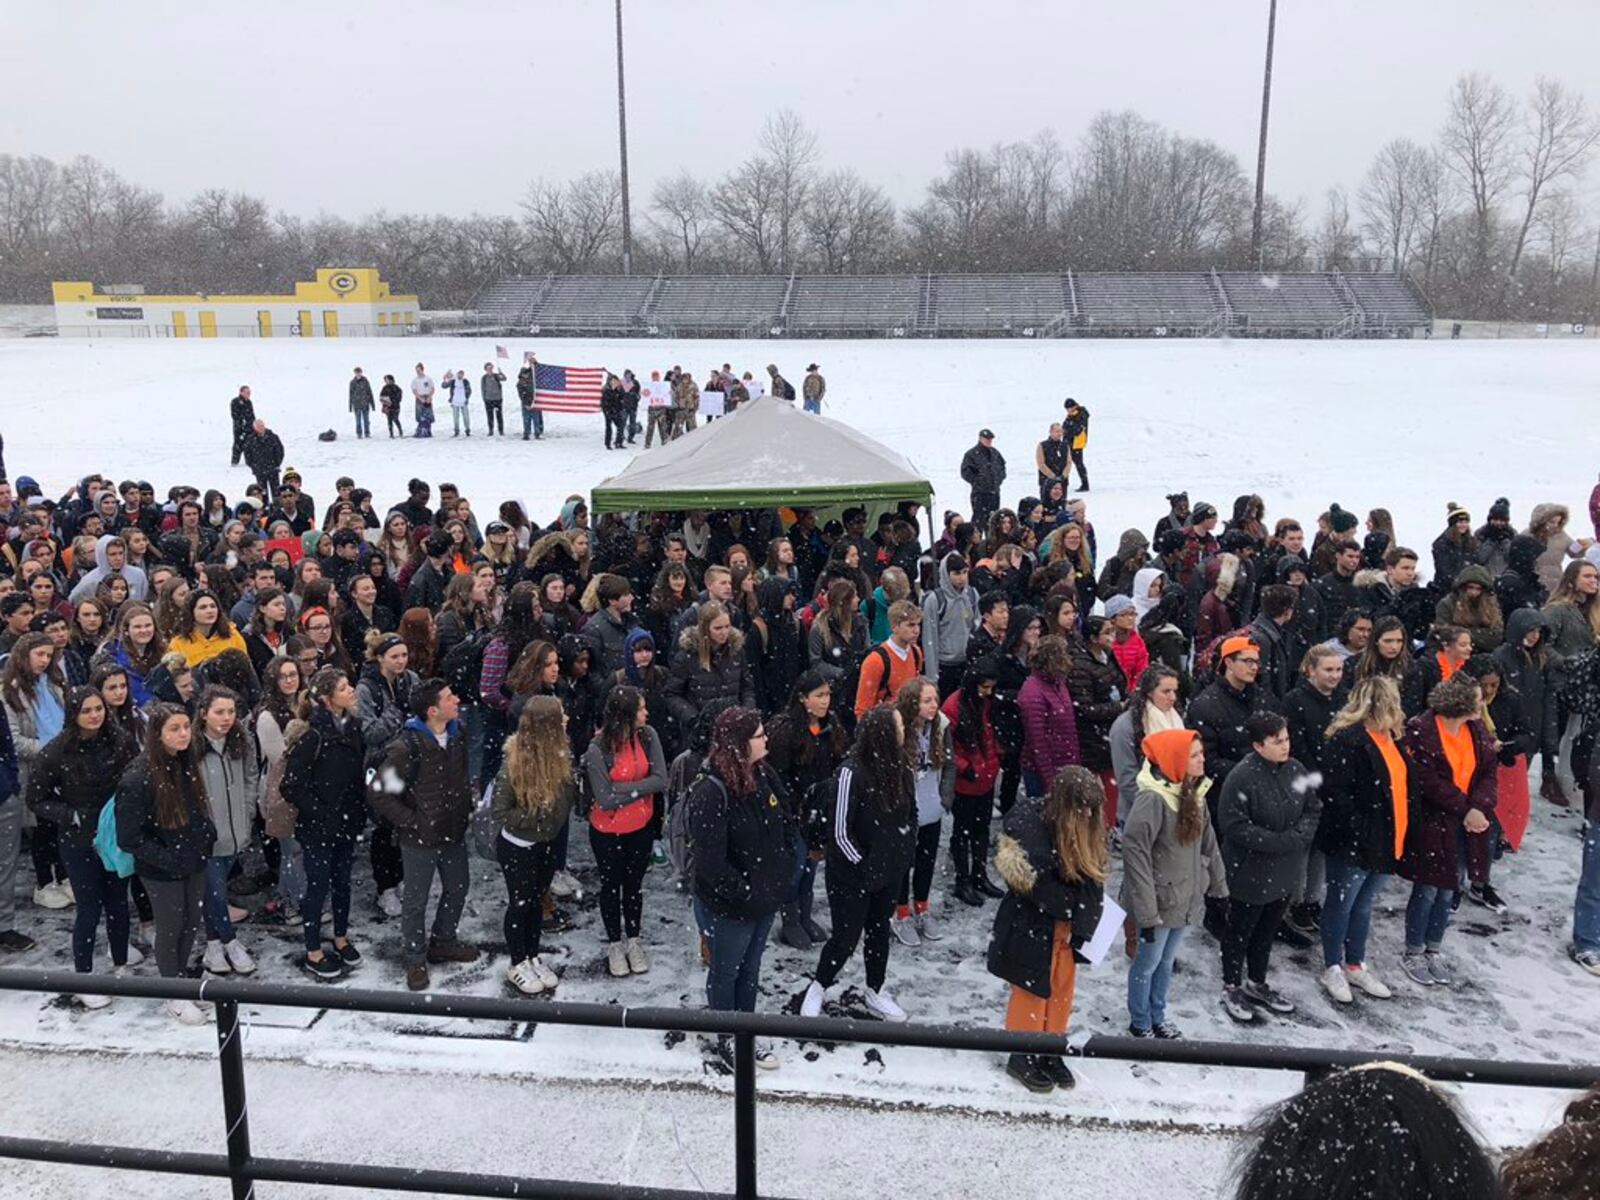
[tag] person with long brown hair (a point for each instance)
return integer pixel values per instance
(417, 631)
(204, 630)
(874, 841)
(534, 792)
(1170, 864)
(1573, 612)
(137, 647)
(627, 773)
(163, 822)
(33, 694)
(1564, 1163)
(932, 753)
(1054, 860)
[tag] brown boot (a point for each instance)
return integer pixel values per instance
(551, 918)
(705, 951)
(417, 978)
(443, 952)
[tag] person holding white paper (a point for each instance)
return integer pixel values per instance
(1170, 863)
(1053, 857)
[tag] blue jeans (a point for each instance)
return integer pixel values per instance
(218, 926)
(1150, 975)
(327, 874)
(363, 422)
(532, 422)
(459, 417)
(97, 890)
(1427, 916)
(1032, 783)
(1586, 909)
(1347, 912)
(733, 982)
(813, 406)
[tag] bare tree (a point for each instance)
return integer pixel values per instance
(576, 226)
(790, 150)
(1338, 244)
(1479, 145)
(1561, 135)
(1391, 205)
(685, 209)
(746, 203)
(849, 225)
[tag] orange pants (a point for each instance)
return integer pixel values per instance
(1028, 1013)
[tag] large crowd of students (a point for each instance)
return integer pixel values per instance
(1232, 726)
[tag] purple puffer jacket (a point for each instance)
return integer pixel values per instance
(1049, 728)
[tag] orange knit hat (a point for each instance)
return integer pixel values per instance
(1168, 750)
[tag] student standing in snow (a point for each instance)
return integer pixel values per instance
(423, 789)
(1266, 819)
(874, 841)
(1452, 789)
(390, 397)
(806, 743)
(230, 770)
(324, 780)
(1170, 864)
(746, 856)
(1053, 857)
(162, 820)
(984, 470)
(242, 411)
(1076, 425)
(492, 390)
(74, 776)
(933, 761)
(533, 796)
(949, 615)
(361, 403)
(976, 748)
(626, 772)
(422, 390)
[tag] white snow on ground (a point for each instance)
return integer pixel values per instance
(1403, 425)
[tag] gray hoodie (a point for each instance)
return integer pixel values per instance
(948, 619)
(233, 790)
(138, 583)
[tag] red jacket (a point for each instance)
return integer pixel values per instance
(977, 767)
(1133, 656)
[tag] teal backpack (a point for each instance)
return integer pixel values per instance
(113, 856)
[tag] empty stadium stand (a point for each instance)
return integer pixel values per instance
(1066, 304)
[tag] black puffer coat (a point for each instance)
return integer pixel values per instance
(1023, 942)
(1267, 816)
(1098, 698)
(163, 854)
(324, 779)
(747, 848)
(691, 688)
(1357, 823)
(71, 780)
(1218, 714)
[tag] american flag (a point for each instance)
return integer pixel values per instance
(567, 389)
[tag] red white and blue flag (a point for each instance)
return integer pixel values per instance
(567, 389)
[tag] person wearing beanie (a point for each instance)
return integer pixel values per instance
(1127, 647)
(1267, 818)
(1455, 547)
(1170, 864)
(1199, 544)
(1494, 538)
(1076, 426)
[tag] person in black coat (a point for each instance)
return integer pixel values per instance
(710, 671)
(68, 784)
(984, 470)
(1309, 705)
(243, 413)
(1519, 587)
(361, 403)
(263, 454)
(164, 823)
(1053, 858)
(324, 779)
(1220, 711)
(780, 652)
(747, 854)
(426, 589)
(1529, 673)
(873, 841)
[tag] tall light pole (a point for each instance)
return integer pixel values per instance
(1261, 152)
(622, 145)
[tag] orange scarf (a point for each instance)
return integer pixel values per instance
(1396, 765)
(1446, 667)
(1460, 753)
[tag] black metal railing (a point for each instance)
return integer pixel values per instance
(243, 1168)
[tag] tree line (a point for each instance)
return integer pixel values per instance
(1489, 218)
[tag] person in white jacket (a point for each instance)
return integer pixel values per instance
(459, 389)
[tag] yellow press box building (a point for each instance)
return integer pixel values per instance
(341, 301)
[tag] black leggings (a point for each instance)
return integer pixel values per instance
(387, 866)
(1247, 943)
(857, 913)
(1010, 778)
(969, 834)
(44, 846)
(622, 859)
(918, 881)
(527, 870)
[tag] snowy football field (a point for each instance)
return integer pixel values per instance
(1405, 425)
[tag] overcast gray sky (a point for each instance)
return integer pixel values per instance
(347, 106)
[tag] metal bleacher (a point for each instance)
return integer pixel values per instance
(860, 305)
(1064, 304)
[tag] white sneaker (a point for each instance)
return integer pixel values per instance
(547, 977)
(617, 958)
(389, 902)
(1364, 980)
(92, 1001)
(638, 959)
(905, 931)
(811, 1006)
(187, 1011)
(135, 955)
(64, 886)
(239, 958)
(523, 977)
(50, 896)
(766, 1058)
(563, 884)
(1337, 986)
(883, 1004)
(216, 959)
(928, 927)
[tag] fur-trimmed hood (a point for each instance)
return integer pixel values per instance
(689, 640)
(1222, 573)
(1014, 865)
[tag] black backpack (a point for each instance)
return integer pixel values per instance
(462, 667)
